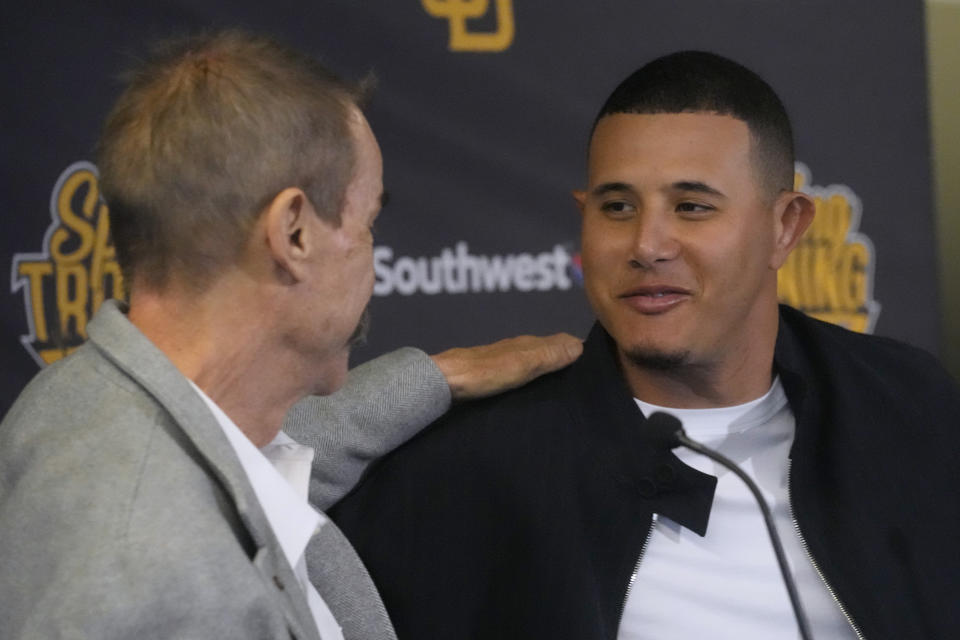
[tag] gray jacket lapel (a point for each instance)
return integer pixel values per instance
(344, 584)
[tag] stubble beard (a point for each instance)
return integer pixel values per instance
(657, 360)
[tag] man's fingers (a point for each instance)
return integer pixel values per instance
(486, 370)
(556, 351)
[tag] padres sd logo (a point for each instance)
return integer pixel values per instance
(75, 272)
(457, 12)
(829, 275)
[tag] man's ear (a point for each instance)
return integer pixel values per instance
(580, 196)
(793, 213)
(288, 232)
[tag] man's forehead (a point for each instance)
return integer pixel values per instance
(668, 141)
(618, 126)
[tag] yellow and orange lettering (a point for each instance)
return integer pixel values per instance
(855, 260)
(72, 293)
(36, 272)
(833, 216)
(72, 221)
(49, 356)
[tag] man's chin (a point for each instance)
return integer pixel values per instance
(656, 358)
(331, 370)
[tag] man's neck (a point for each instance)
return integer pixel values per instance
(228, 352)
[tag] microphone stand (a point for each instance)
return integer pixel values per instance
(693, 445)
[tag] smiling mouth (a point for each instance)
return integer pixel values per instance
(655, 300)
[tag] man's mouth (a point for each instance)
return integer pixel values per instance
(654, 299)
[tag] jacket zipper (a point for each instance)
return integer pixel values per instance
(806, 549)
(636, 569)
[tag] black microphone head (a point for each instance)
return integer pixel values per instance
(664, 428)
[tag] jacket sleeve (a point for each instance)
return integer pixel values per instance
(384, 403)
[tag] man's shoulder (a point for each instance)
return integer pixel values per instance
(105, 508)
(84, 449)
(538, 407)
(844, 343)
(483, 437)
(86, 454)
(870, 359)
(566, 413)
(543, 393)
(83, 380)
(78, 407)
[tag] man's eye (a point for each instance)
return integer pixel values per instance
(694, 207)
(617, 208)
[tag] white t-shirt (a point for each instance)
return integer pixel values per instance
(727, 584)
(280, 476)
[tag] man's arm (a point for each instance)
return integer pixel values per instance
(388, 400)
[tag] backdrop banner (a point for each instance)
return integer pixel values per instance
(482, 110)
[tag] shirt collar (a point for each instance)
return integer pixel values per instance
(723, 421)
(290, 516)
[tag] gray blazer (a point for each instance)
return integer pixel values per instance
(124, 512)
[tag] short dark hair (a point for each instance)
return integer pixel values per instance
(698, 81)
(209, 129)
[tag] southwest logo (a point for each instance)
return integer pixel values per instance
(457, 270)
(575, 269)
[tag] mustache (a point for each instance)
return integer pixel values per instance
(359, 335)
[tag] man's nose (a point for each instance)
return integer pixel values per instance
(654, 241)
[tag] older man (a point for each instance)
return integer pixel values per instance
(581, 525)
(145, 489)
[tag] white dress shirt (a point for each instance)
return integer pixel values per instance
(280, 475)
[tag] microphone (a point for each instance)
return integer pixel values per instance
(667, 429)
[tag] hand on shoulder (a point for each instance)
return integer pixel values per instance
(477, 372)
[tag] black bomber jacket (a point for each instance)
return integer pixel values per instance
(524, 515)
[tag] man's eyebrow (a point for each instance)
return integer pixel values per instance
(608, 187)
(697, 187)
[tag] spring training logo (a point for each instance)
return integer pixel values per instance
(830, 273)
(74, 272)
